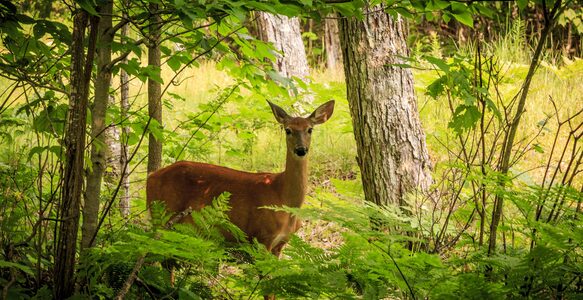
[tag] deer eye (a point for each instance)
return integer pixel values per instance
(287, 131)
(310, 130)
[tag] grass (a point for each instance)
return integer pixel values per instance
(334, 148)
(333, 143)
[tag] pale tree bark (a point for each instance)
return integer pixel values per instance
(74, 142)
(154, 88)
(285, 35)
(114, 151)
(392, 153)
(124, 203)
(98, 146)
(332, 43)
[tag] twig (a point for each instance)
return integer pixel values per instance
(219, 105)
(388, 252)
(126, 286)
(178, 217)
(140, 262)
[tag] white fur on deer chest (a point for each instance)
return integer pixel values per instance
(287, 228)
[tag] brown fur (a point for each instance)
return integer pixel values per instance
(191, 184)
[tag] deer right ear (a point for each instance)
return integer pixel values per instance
(322, 113)
(278, 112)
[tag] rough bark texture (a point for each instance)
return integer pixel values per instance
(124, 203)
(154, 90)
(332, 43)
(98, 146)
(286, 37)
(392, 153)
(74, 142)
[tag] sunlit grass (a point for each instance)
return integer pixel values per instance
(334, 148)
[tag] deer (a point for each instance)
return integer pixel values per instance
(193, 185)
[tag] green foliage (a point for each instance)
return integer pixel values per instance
(430, 251)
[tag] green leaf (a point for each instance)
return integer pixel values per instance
(446, 18)
(492, 106)
(465, 117)
(174, 63)
(439, 4)
(132, 139)
(152, 72)
(462, 13)
(36, 150)
(438, 62)
(23, 268)
(157, 130)
(485, 11)
(89, 6)
(436, 88)
(522, 4)
(465, 18)
(184, 294)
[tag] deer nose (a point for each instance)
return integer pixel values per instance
(301, 151)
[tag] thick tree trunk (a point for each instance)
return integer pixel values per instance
(154, 89)
(74, 141)
(392, 153)
(332, 43)
(285, 35)
(98, 146)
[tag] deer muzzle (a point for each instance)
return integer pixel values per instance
(301, 151)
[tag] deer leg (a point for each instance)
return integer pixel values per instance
(170, 265)
(277, 252)
(277, 249)
(172, 276)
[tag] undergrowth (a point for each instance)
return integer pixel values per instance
(347, 248)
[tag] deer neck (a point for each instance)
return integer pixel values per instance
(295, 180)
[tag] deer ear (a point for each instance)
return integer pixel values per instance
(278, 112)
(322, 113)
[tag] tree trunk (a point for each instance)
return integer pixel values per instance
(285, 35)
(332, 43)
(98, 145)
(114, 153)
(392, 153)
(74, 141)
(124, 204)
(154, 89)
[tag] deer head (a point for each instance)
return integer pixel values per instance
(298, 130)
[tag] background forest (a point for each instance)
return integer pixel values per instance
(96, 94)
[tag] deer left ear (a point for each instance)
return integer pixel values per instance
(322, 113)
(280, 115)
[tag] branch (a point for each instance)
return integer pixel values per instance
(177, 218)
(128, 283)
(124, 55)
